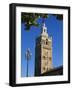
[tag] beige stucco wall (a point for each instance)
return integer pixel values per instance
(46, 55)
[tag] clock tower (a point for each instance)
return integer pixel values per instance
(43, 52)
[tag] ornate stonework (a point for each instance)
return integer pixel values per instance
(43, 52)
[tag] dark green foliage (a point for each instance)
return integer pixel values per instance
(30, 19)
(58, 16)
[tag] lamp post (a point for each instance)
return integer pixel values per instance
(28, 57)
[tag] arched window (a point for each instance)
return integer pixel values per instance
(50, 58)
(43, 57)
(44, 30)
(46, 41)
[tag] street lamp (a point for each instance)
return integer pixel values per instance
(28, 57)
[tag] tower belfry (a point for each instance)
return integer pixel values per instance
(44, 30)
(43, 52)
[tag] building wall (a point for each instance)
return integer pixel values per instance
(37, 57)
(55, 71)
(46, 55)
(43, 55)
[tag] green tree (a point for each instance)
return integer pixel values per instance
(30, 19)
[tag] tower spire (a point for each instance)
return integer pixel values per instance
(44, 30)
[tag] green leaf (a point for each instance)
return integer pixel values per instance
(30, 19)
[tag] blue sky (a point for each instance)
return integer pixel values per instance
(54, 29)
